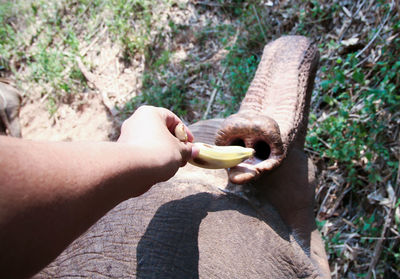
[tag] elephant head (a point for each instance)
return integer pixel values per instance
(195, 225)
(10, 103)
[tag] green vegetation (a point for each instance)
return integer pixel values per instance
(354, 120)
(48, 37)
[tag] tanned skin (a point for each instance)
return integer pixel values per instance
(52, 192)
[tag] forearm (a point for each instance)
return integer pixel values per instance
(53, 192)
(50, 193)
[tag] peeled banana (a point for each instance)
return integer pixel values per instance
(220, 157)
(213, 156)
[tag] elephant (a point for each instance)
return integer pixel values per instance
(10, 104)
(254, 220)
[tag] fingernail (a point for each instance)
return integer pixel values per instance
(180, 132)
(195, 151)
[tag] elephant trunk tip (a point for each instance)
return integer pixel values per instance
(263, 150)
(261, 147)
(259, 132)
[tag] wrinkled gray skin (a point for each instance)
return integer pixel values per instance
(201, 225)
(10, 103)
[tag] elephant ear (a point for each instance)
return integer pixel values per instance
(10, 103)
(274, 113)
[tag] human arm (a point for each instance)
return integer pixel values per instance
(50, 193)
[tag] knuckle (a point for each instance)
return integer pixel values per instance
(144, 108)
(124, 125)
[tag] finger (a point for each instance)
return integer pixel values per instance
(186, 152)
(189, 134)
(195, 151)
(172, 120)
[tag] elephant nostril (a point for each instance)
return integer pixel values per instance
(238, 142)
(262, 150)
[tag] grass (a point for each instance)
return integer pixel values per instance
(353, 130)
(44, 40)
(48, 37)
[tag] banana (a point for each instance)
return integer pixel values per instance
(213, 156)
(220, 157)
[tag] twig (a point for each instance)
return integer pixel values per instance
(259, 22)
(378, 246)
(213, 94)
(395, 271)
(388, 222)
(338, 201)
(83, 52)
(92, 78)
(308, 150)
(321, 207)
(204, 3)
(346, 25)
(377, 33)
(359, 7)
(346, 11)
(380, 238)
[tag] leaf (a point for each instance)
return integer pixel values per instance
(358, 76)
(350, 42)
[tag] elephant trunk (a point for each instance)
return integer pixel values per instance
(274, 113)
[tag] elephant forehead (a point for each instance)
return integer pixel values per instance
(206, 130)
(196, 179)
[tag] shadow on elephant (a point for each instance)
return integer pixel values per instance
(231, 232)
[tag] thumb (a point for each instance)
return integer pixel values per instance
(186, 152)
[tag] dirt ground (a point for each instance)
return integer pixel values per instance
(91, 115)
(91, 122)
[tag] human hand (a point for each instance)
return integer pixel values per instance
(150, 130)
